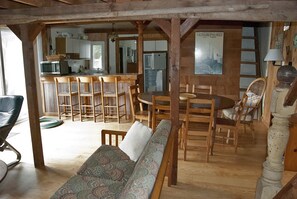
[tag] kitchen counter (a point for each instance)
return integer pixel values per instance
(48, 91)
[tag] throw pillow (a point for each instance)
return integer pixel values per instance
(253, 99)
(135, 140)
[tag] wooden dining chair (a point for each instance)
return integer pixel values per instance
(202, 89)
(182, 87)
(227, 129)
(67, 98)
(89, 97)
(160, 109)
(137, 107)
(199, 122)
(109, 91)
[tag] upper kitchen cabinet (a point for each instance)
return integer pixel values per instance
(69, 45)
(85, 49)
(157, 45)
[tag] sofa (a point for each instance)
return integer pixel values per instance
(110, 173)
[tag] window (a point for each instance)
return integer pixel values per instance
(12, 78)
(97, 58)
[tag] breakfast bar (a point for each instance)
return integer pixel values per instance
(48, 93)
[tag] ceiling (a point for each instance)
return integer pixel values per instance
(18, 4)
(51, 12)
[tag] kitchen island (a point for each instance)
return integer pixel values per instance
(48, 90)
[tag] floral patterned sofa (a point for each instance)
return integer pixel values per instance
(109, 172)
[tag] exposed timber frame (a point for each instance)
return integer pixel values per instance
(175, 31)
(254, 10)
(27, 34)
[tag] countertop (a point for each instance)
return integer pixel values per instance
(124, 76)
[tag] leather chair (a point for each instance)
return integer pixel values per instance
(10, 108)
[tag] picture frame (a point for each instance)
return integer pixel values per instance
(209, 53)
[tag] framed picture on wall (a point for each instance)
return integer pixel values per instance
(209, 53)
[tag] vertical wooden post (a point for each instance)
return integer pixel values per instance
(174, 93)
(31, 89)
(277, 29)
(140, 28)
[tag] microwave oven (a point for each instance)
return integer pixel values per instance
(54, 67)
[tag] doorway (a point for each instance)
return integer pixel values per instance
(126, 55)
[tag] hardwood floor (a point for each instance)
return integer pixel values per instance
(227, 175)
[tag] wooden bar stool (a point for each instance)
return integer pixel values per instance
(89, 97)
(65, 94)
(109, 91)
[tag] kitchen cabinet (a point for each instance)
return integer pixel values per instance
(69, 45)
(157, 45)
(85, 49)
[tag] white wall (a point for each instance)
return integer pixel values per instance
(38, 58)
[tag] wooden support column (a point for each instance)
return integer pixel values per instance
(174, 70)
(175, 31)
(27, 33)
(140, 28)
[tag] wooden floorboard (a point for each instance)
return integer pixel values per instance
(227, 175)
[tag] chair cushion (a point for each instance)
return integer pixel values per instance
(231, 114)
(252, 99)
(82, 187)
(135, 140)
(108, 162)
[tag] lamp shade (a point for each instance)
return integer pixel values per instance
(274, 55)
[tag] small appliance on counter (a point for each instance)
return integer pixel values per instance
(54, 67)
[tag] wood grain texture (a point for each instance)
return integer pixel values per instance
(277, 29)
(263, 10)
(31, 90)
(290, 162)
(226, 84)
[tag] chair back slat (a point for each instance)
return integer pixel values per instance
(199, 122)
(160, 109)
(202, 89)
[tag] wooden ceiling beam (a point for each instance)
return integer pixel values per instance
(34, 3)
(187, 25)
(260, 10)
(68, 1)
(6, 4)
(165, 25)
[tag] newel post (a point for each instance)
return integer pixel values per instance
(278, 134)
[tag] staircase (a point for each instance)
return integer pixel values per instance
(249, 64)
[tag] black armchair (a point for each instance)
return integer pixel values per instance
(10, 108)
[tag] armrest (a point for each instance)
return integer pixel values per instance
(113, 137)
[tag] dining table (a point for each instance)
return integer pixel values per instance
(221, 102)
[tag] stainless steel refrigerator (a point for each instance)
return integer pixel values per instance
(155, 75)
